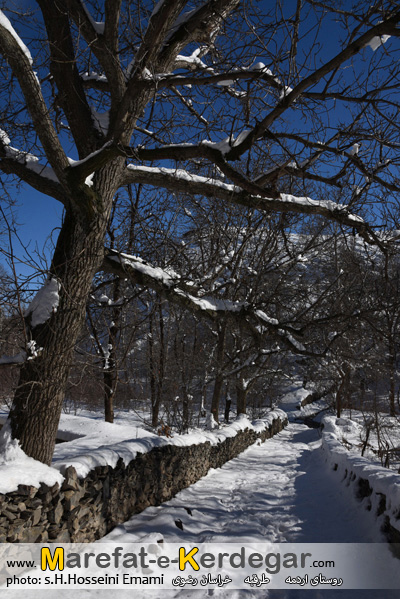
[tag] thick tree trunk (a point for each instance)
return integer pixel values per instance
(162, 358)
(216, 398)
(392, 394)
(156, 365)
(36, 409)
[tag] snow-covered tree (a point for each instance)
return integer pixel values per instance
(224, 101)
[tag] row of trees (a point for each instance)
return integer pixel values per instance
(140, 348)
(222, 141)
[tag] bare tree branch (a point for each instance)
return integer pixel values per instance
(183, 181)
(256, 321)
(387, 27)
(20, 60)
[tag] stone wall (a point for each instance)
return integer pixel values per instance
(375, 502)
(84, 510)
(376, 488)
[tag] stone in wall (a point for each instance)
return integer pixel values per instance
(84, 510)
(374, 502)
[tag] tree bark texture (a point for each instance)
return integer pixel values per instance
(37, 404)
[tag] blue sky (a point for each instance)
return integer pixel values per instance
(39, 215)
(36, 214)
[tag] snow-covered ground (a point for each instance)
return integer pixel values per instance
(279, 491)
(376, 434)
(91, 442)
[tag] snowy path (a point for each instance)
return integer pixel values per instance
(280, 491)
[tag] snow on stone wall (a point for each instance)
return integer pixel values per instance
(376, 487)
(85, 509)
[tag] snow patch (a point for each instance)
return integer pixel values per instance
(226, 83)
(16, 468)
(241, 137)
(192, 61)
(212, 304)
(89, 180)
(86, 454)
(44, 303)
(166, 277)
(74, 163)
(353, 151)
(328, 204)
(266, 318)
(226, 144)
(381, 480)
(285, 92)
(377, 41)
(211, 423)
(4, 138)
(29, 160)
(4, 22)
(97, 26)
(93, 76)
(33, 349)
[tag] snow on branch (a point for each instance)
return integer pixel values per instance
(97, 79)
(377, 41)
(209, 76)
(168, 278)
(166, 283)
(291, 95)
(28, 168)
(26, 158)
(192, 62)
(20, 60)
(97, 26)
(182, 175)
(31, 352)
(4, 22)
(242, 191)
(184, 181)
(44, 303)
(195, 26)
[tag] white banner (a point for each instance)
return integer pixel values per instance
(228, 565)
